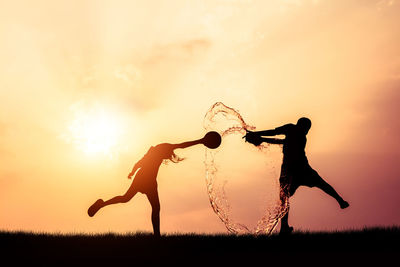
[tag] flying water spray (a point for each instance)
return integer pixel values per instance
(242, 180)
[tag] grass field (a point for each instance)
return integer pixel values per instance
(370, 246)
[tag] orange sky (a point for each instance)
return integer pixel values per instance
(155, 67)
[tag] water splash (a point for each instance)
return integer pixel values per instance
(228, 122)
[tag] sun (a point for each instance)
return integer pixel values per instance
(95, 130)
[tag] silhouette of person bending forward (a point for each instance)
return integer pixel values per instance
(295, 170)
(145, 181)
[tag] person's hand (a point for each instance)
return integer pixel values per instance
(248, 135)
(253, 138)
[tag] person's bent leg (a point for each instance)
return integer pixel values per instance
(118, 199)
(328, 189)
(155, 211)
(99, 204)
(132, 191)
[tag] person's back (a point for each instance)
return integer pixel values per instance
(150, 164)
(293, 145)
(152, 160)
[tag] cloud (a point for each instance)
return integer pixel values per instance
(385, 108)
(3, 128)
(177, 52)
(141, 81)
(378, 127)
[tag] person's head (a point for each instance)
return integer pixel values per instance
(304, 124)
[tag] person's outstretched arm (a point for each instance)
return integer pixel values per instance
(257, 140)
(186, 144)
(277, 131)
(273, 141)
(271, 132)
(137, 166)
(256, 136)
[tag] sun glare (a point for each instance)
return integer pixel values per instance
(95, 131)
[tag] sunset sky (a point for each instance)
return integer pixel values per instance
(86, 87)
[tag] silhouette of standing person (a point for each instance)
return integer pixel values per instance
(295, 170)
(146, 170)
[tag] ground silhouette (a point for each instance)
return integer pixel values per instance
(364, 247)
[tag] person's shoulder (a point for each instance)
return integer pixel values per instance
(157, 147)
(163, 145)
(286, 127)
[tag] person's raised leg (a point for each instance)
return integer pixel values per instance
(328, 189)
(155, 211)
(118, 199)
